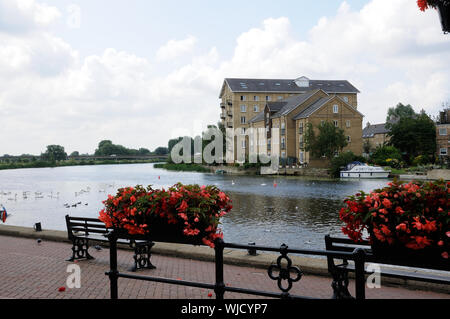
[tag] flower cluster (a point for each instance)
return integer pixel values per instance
(414, 215)
(425, 4)
(194, 210)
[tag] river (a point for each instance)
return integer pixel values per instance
(296, 211)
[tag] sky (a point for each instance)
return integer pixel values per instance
(140, 72)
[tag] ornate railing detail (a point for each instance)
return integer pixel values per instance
(284, 272)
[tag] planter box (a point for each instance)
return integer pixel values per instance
(398, 255)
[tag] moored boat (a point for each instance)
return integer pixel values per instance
(362, 170)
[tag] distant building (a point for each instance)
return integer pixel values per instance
(376, 135)
(288, 104)
(443, 135)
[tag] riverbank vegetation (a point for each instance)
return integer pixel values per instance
(83, 162)
(106, 154)
(183, 167)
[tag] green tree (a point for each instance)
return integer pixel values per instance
(75, 154)
(399, 112)
(161, 151)
(54, 153)
(328, 142)
(414, 136)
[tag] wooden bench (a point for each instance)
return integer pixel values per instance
(340, 271)
(82, 230)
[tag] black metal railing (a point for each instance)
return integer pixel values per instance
(283, 272)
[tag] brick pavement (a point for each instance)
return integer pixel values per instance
(33, 271)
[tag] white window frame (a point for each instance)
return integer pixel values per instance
(243, 120)
(336, 123)
(444, 129)
(268, 98)
(336, 109)
(348, 123)
(243, 98)
(243, 108)
(256, 98)
(443, 153)
(256, 108)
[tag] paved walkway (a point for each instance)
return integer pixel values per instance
(32, 270)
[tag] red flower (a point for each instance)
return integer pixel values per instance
(183, 206)
(387, 203)
(423, 5)
(62, 289)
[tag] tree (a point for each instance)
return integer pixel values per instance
(414, 136)
(54, 153)
(161, 151)
(328, 142)
(399, 112)
(367, 147)
(75, 154)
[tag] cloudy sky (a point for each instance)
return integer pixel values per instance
(139, 72)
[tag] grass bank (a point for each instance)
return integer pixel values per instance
(183, 167)
(45, 164)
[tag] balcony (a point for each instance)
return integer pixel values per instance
(229, 102)
(230, 113)
(230, 124)
(222, 105)
(283, 132)
(283, 146)
(300, 130)
(223, 116)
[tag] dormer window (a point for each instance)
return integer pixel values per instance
(302, 82)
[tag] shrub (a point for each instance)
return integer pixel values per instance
(384, 153)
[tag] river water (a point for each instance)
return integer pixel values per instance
(266, 210)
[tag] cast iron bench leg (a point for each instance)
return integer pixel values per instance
(340, 284)
(80, 247)
(142, 255)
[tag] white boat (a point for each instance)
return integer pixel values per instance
(362, 170)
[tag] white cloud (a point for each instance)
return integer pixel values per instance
(24, 15)
(176, 48)
(50, 94)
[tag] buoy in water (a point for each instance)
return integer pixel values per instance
(3, 214)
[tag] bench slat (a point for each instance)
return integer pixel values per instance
(88, 225)
(84, 219)
(89, 230)
(405, 275)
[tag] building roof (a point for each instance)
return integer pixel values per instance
(276, 106)
(371, 130)
(258, 118)
(313, 107)
(288, 85)
(293, 102)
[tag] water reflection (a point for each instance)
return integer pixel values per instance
(267, 210)
(273, 220)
